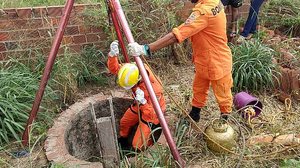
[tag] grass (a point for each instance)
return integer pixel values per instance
(17, 91)
(72, 72)
(290, 163)
(34, 3)
(283, 15)
(253, 69)
(192, 146)
(19, 82)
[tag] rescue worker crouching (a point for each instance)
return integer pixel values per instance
(141, 113)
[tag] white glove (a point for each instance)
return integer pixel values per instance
(114, 49)
(136, 49)
(139, 96)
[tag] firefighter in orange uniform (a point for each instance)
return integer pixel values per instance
(128, 77)
(206, 28)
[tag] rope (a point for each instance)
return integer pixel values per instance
(198, 129)
(194, 124)
(249, 113)
(287, 104)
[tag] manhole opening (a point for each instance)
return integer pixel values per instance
(80, 138)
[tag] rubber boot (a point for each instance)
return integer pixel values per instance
(123, 143)
(195, 113)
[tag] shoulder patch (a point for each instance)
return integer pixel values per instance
(193, 17)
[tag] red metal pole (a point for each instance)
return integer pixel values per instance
(51, 58)
(117, 6)
(119, 34)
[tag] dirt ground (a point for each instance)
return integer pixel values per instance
(276, 119)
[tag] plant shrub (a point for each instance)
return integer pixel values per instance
(72, 71)
(284, 15)
(18, 86)
(253, 69)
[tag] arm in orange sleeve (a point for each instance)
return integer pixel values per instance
(113, 65)
(196, 22)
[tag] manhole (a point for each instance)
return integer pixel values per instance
(72, 140)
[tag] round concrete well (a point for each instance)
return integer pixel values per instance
(72, 140)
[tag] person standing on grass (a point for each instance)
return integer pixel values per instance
(206, 28)
(141, 113)
(251, 23)
(234, 4)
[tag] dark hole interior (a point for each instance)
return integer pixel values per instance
(81, 139)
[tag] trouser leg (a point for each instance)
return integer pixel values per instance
(200, 90)
(128, 120)
(222, 92)
(142, 137)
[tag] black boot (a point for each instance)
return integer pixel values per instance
(195, 113)
(224, 116)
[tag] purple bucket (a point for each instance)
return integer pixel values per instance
(244, 99)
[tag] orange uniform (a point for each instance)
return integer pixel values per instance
(148, 115)
(206, 27)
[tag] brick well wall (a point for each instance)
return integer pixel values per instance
(25, 30)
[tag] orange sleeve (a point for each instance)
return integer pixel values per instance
(196, 22)
(113, 65)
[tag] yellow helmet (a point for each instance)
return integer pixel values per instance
(128, 75)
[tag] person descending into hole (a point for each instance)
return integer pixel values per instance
(206, 28)
(128, 77)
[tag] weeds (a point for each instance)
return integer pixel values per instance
(284, 15)
(19, 81)
(290, 163)
(26, 3)
(253, 69)
(17, 91)
(72, 71)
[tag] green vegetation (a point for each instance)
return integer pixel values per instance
(253, 69)
(287, 163)
(19, 81)
(33, 3)
(72, 71)
(18, 85)
(150, 20)
(284, 15)
(160, 155)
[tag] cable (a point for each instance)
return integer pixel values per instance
(194, 125)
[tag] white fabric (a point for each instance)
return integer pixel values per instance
(136, 49)
(139, 96)
(114, 49)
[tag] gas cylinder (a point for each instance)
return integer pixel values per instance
(219, 131)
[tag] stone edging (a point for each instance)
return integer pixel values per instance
(55, 147)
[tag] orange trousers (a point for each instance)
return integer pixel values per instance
(142, 135)
(221, 88)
